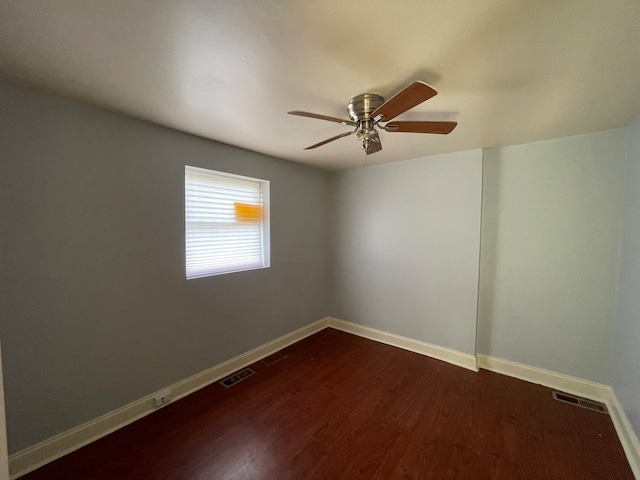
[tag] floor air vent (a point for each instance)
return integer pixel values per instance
(581, 402)
(237, 377)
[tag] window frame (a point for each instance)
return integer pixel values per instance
(265, 221)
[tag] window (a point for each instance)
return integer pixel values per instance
(226, 222)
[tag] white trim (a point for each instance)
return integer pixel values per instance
(576, 386)
(628, 437)
(27, 460)
(441, 353)
(559, 381)
(31, 458)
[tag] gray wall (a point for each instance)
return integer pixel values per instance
(4, 450)
(95, 309)
(626, 360)
(551, 225)
(406, 248)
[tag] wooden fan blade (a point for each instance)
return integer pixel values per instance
(346, 134)
(421, 127)
(404, 100)
(322, 117)
(374, 147)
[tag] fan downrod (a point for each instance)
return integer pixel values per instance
(366, 111)
(360, 109)
(362, 106)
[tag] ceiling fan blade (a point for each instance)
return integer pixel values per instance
(346, 134)
(404, 100)
(322, 117)
(421, 127)
(374, 147)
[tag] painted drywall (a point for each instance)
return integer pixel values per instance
(4, 450)
(626, 349)
(95, 309)
(406, 248)
(549, 258)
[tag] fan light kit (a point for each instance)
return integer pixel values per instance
(368, 110)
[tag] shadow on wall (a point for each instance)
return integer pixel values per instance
(488, 248)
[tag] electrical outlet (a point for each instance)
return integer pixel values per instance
(162, 399)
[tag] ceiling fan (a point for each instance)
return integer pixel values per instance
(368, 110)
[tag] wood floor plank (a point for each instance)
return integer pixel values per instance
(337, 406)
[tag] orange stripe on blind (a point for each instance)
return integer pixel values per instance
(246, 212)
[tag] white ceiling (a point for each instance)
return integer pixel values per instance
(509, 71)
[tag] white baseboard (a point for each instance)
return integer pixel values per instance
(55, 447)
(558, 381)
(628, 437)
(575, 386)
(27, 460)
(441, 353)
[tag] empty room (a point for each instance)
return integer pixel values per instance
(319, 240)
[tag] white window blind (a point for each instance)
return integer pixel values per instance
(226, 223)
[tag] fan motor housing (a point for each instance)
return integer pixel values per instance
(362, 106)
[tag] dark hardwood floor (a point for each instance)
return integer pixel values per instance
(336, 406)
